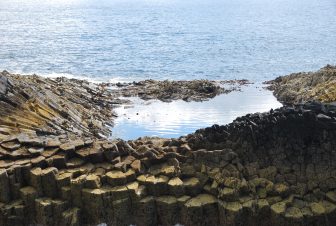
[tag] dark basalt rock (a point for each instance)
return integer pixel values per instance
(275, 168)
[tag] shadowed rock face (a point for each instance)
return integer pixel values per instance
(3, 85)
(302, 87)
(276, 168)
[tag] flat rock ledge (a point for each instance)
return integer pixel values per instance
(167, 91)
(301, 87)
(275, 168)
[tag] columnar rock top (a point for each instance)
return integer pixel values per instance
(261, 169)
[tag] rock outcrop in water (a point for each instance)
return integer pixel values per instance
(275, 168)
(167, 91)
(302, 87)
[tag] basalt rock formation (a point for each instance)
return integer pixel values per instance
(302, 87)
(275, 168)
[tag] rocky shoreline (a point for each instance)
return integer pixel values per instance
(57, 167)
(61, 105)
(302, 87)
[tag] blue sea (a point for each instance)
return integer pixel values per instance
(167, 39)
(127, 40)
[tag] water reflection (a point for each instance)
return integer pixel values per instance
(156, 118)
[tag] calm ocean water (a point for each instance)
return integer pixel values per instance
(174, 39)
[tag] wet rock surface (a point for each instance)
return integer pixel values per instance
(274, 168)
(302, 87)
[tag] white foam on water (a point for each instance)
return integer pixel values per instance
(96, 79)
(123, 79)
(71, 76)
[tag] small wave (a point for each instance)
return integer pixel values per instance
(122, 79)
(72, 76)
(57, 75)
(110, 79)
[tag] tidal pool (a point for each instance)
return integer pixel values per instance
(178, 118)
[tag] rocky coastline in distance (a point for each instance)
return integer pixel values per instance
(58, 168)
(302, 87)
